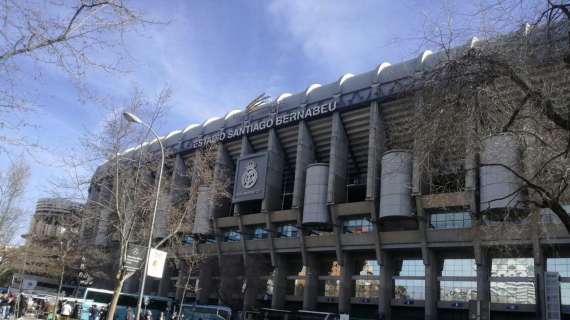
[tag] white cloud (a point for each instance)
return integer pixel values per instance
(337, 34)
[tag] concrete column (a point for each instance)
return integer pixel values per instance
(483, 262)
(376, 147)
(231, 281)
(539, 270)
(305, 156)
(274, 177)
(280, 282)
(311, 283)
(256, 284)
(433, 269)
(205, 284)
(180, 179)
(246, 149)
(223, 170)
(338, 162)
(387, 271)
(164, 286)
(182, 276)
(102, 236)
(346, 283)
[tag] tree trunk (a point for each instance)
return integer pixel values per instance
(121, 277)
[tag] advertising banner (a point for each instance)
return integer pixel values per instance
(156, 263)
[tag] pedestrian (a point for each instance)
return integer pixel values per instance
(11, 305)
(93, 313)
(148, 315)
(130, 315)
(102, 313)
(3, 307)
(66, 310)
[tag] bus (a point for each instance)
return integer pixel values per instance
(205, 312)
(102, 298)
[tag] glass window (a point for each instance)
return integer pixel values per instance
(457, 290)
(413, 268)
(560, 265)
(368, 288)
(360, 225)
(332, 288)
(513, 291)
(287, 231)
(452, 290)
(409, 289)
(450, 220)
(565, 293)
(187, 239)
(258, 232)
(232, 235)
(318, 233)
(459, 268)
(370, 268)
(300, 283)
(512, 267)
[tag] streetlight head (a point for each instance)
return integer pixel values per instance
(131, 117)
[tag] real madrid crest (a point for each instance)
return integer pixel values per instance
(249, 177)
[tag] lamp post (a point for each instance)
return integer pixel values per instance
(134, 119)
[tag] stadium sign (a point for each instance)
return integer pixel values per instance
(272, 121)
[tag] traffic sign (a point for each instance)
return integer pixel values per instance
(135, 257)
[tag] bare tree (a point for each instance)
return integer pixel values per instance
(512, 83)
(68, 36)
(12, 186)
(122, 191)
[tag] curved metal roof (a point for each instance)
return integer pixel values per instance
(232, 113)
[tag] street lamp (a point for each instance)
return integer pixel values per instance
(134, 119)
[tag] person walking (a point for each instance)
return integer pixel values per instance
(130, 315)
(93, 313)
(66, 310)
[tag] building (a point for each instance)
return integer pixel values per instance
(54, 220)
(329, 213)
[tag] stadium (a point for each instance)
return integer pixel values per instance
(330, 212)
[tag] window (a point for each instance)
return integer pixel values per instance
(360, 225)
(332, 288)
(518, 290)
(318, 233)
(413, 268)
(367, 282)
(370, 268)
(332, 280)
(187, 239)
(232, 235)
(287, 231)
(258, 232)
(459, 268)
(562, 266)
(406, 288)
(458, 290)
(409, 289)
(450, 220)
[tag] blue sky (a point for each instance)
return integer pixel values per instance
(218, 55)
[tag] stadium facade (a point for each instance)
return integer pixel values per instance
(329, 213)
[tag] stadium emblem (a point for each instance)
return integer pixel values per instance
(249, 177)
